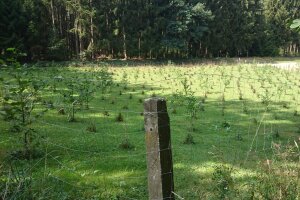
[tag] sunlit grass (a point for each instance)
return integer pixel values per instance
(94, 163)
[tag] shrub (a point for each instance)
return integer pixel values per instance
(223, 182)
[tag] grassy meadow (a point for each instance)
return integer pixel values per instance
(235, 130)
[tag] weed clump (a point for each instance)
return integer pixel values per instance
(126, 145)
(296, 114)
(276, 135)
(71, 118)
(276, 117)
(254, 120)
(106, 113)
(120, 118)
(225, 125)
(61, 111)
(174, 111)
(278, 181)
(189, 139)
(285, 105)
(223, 182)
(298, 131)
(239, 137)
(91, 127)
(34, 153)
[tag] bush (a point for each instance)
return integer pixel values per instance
(223, 182)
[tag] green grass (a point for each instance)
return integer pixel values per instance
(78, 164)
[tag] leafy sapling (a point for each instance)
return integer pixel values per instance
(193, 105)
(104, 80)
(86, 91)
(71, 98)
(20, 97)
(125, 80)
(223, 182)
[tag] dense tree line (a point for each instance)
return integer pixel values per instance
(65, 29)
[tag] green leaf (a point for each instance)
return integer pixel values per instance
(295, 24)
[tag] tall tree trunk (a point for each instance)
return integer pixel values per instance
(124, 31)
(69, 42)
(81, 44)
(140, 45)
(92, 30)
(52, 15)
(76, 38)
(124, 43)
(60, 22)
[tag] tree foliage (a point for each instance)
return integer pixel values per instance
(88, 29)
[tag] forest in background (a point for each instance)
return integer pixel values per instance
(92, 29)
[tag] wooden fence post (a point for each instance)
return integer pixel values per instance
(159, 152)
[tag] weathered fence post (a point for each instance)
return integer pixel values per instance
(159, 152)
